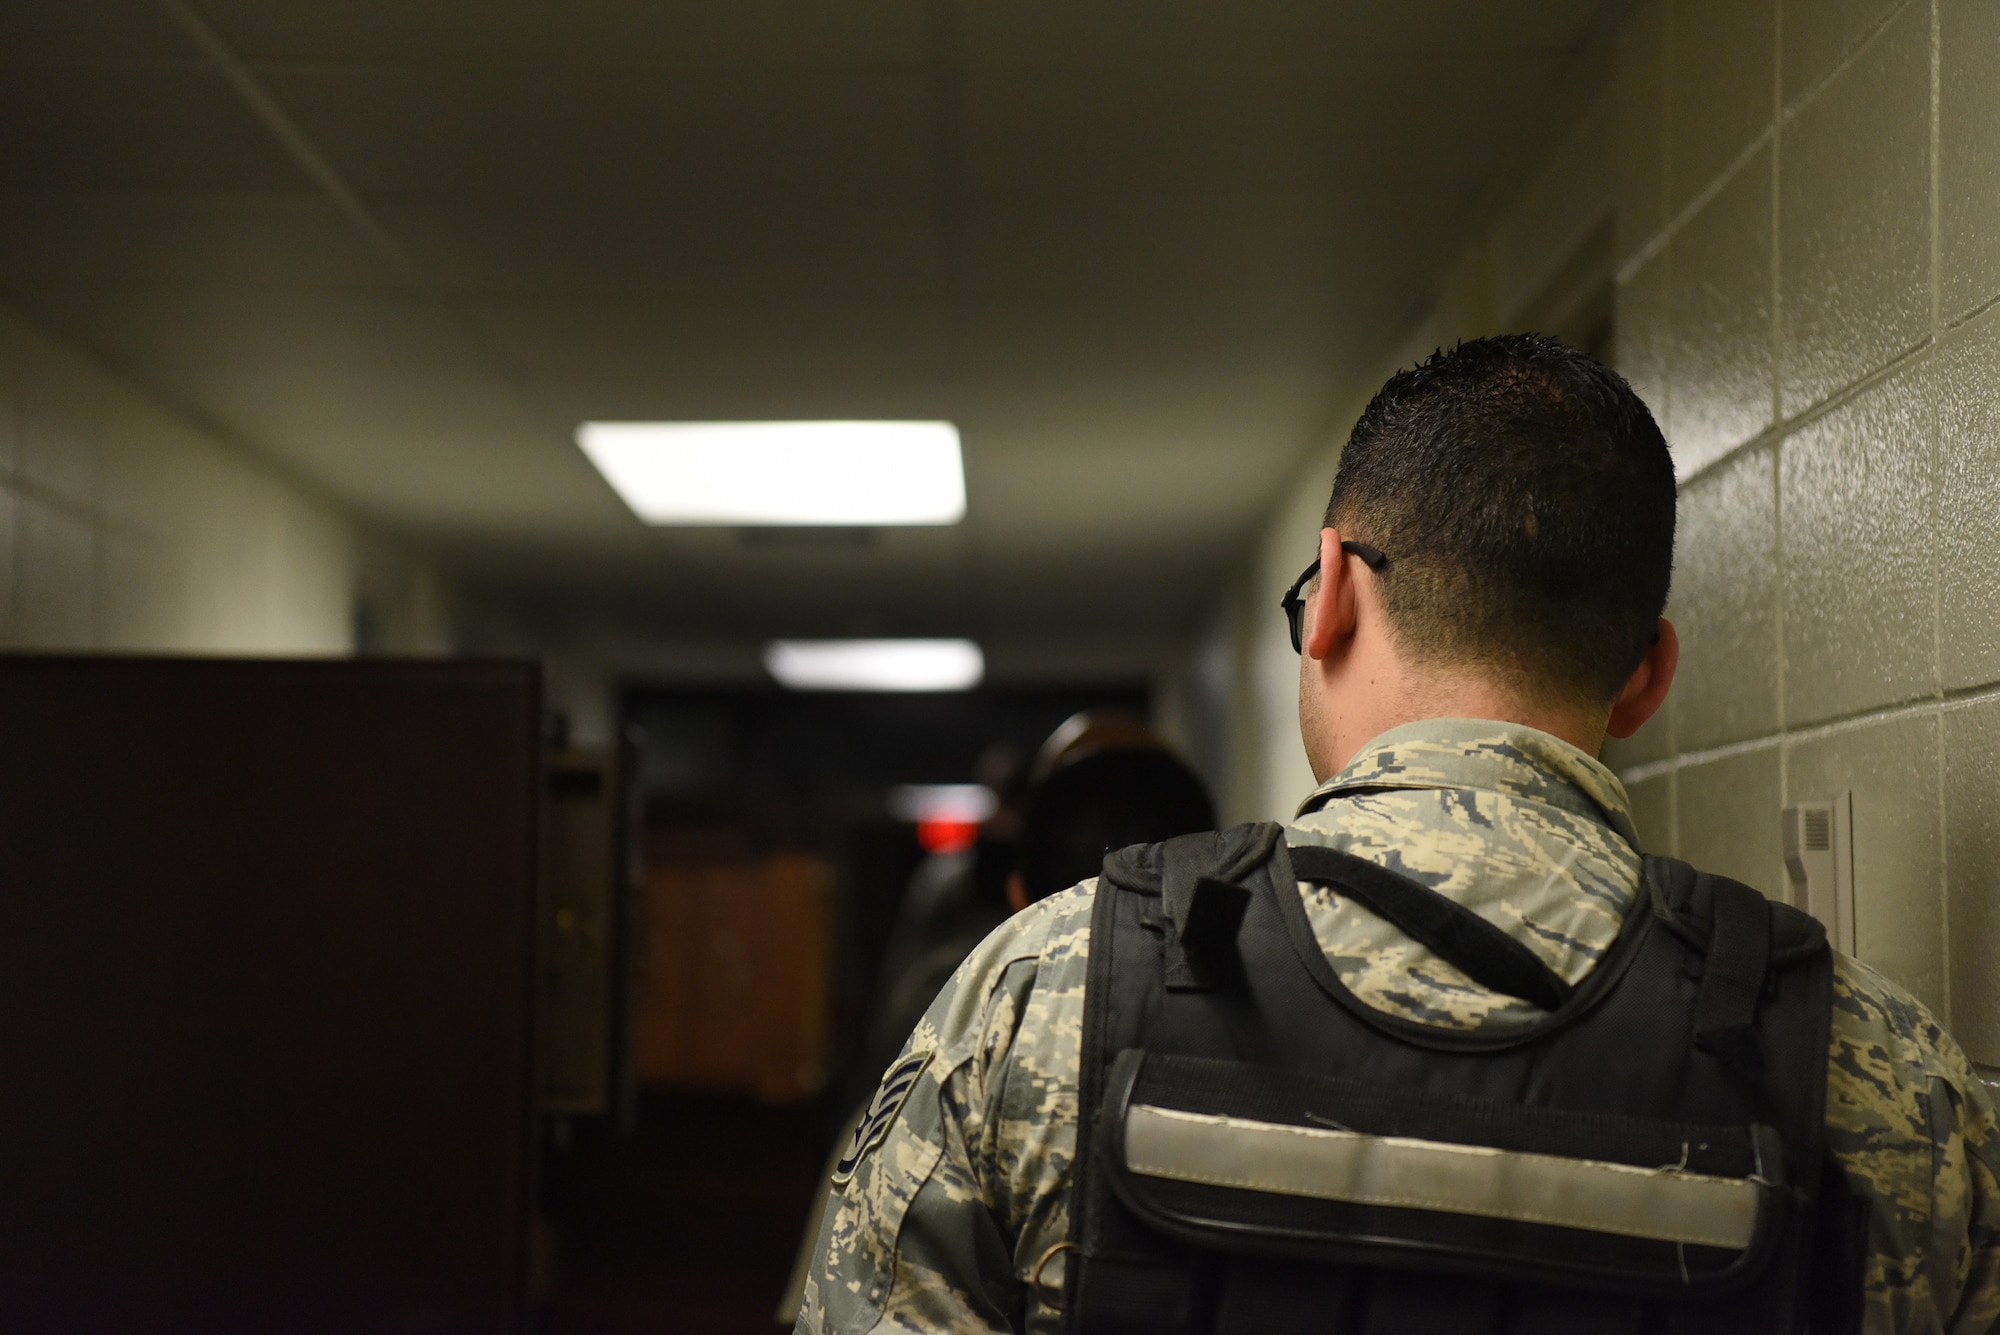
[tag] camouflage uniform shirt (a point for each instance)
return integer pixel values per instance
(964, 1185)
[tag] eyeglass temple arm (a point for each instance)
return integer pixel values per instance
(1370, 556)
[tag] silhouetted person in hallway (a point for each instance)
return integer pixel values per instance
(1100, 782)
(1095, 802)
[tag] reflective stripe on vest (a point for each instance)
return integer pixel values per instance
(1664, 1204)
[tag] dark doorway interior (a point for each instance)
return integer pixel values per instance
(687, 1216)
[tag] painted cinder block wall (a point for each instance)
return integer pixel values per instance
(1808, 257)
(1803, 199)
(127, 527)
(124, 526)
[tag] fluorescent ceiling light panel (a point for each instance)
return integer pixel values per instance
(968, 803)
(794, 473)
(875, 665)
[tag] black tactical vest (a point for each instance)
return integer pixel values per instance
(1260, 1151)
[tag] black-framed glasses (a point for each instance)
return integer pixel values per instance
(1295, 606)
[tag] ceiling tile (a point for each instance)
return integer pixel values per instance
(185, 239)
(98, 127)
(706, 253)
(574, 135)
(122, 32)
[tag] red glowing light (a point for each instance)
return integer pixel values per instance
(939, 834)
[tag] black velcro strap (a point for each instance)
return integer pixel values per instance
(1739, 953)
(1455, 933)
(1183, 862)
(1213, 917)
(1206, 916)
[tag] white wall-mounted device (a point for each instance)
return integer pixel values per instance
(1819, 858)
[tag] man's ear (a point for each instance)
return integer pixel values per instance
(1330, 606)
(1646, 689)
(1017, 892)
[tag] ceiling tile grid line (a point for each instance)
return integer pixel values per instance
(323, 174)
(1133, 250)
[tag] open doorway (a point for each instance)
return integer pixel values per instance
(773, 865)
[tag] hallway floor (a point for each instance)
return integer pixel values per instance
(688, 1225)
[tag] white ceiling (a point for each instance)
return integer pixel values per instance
(1134, 248)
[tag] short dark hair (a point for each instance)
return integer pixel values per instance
(1525, 499)
(1103, 801)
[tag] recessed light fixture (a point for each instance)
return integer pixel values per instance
(791, 473)
(875, 665)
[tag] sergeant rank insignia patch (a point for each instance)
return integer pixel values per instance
(881, 1114)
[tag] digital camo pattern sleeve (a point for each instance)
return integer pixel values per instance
(1913, 1125)
(955, 1184)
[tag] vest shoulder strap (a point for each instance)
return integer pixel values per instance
(1453, 932)
(1685, 901)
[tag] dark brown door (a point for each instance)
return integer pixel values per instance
(265, 1013)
